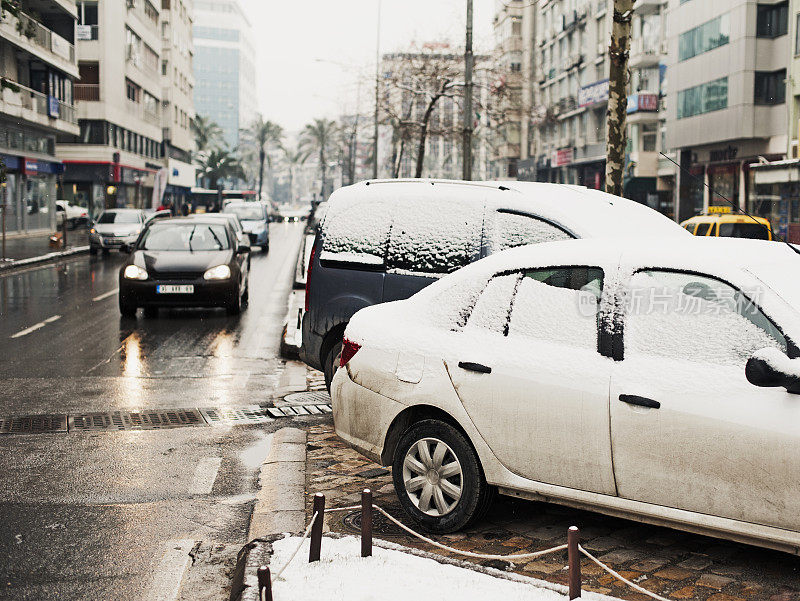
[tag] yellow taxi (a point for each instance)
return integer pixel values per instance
(720, 221)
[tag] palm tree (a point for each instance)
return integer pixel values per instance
(293, 158)
(320, 137)
(207, 134)
(260, 136)
(219, 164)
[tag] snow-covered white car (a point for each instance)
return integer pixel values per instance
(74, 215)
(650, 379)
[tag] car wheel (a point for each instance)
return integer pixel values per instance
(126, 308)
(438, 477)
(106, 252)
(92, 250)
(332, 364)
(151, 312)
(265, 248)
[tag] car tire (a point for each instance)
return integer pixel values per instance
(151, 312)
(92, 250)
(442, 511)
(127, 309)
(332, 363)
(246, 296)
(106, 252)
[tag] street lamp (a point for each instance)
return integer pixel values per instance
(377, 93)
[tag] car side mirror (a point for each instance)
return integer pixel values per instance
(242, 249)
(770, 368)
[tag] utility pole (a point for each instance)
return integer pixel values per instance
(469, 63)
(377, 95)
(618, 95)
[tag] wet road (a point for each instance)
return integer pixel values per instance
(103, 515)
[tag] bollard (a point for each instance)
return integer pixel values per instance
(316, 529)
(264, 584)
(366, 523)
(574, 559)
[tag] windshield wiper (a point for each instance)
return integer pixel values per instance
(194, 229)
(219, 242)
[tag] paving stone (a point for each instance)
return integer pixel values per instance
(687, 592)
(673, 573)
(542, 567)
(649, 565)
(786, 596)
(723, 597)
(620, 556)
(714, 581)
(696, 562)
(603, 543)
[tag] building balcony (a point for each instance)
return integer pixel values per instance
(31, 36)
(645, 53)
(137, 109)
(648, 7)
(32, 106)
(87, 92)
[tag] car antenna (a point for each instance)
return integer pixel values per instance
(730, 202)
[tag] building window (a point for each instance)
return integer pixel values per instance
(705, 37)
(649, 133)
(516, 26)
(132, 91)
(705, 98)
(772, 20)
(770, 87)
(797, 35)
(150, 12)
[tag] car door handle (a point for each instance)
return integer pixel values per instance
(469, 366)
(639, 401)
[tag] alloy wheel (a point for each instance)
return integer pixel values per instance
(432, 476)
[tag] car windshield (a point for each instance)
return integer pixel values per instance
(119, 217)
(185, 237)
(246, 213)
(744, 230)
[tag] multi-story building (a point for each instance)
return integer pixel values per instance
(225, 74)
(727, 71)
(177, 99)
(37, 71)
(115, 156)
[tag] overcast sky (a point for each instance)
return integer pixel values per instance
(311, 52)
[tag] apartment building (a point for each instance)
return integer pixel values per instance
(177, 99)
(37, 72)
(113, 159)
(727, 70)
(224, 68)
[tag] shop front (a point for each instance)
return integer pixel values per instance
(29, 194)
(99, 185)
(776, 196)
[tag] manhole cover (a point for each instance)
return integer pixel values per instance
(227, 415)
(317, 397)
(132, 420)
(380, 524)
(33, 424)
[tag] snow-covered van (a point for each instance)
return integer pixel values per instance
(385, 240)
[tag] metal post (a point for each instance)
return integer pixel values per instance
(5, 210)
(366, 523)
(574, 559)
(316, 529)
(64, 231)
(264, 584)
(377, 95)
(469, 61)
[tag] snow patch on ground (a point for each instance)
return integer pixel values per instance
(389, 575)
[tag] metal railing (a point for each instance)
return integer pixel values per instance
(45, 38)
(138, 110)
(87, 92)
(37, 102)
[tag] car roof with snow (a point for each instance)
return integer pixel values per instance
(583, 212)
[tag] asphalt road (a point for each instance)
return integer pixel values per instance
(114, 514)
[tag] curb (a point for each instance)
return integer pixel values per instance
(54, 256)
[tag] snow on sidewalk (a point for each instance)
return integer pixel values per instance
(390, 575)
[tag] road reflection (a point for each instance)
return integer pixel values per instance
(132, 369)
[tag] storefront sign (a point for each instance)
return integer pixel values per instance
(53, 107)
(646, 102)
(562, 157)
(33, 167)
(726, 154)
(593, 93)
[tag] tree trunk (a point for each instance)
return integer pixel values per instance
(262, 156)
(618, 95)
(322, 166)
(423, 134)
(399, 157)
(291, 184)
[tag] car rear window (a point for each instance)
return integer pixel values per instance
(356, 232)
(119, 217)
(755, 231)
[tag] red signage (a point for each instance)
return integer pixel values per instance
(563, 157)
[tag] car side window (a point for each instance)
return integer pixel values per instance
(516, 229)
(695, 317)
(702, 229)
(492, 310)
(357, 233)
(558, 304)
(430, 237)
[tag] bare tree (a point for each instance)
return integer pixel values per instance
(618, 95)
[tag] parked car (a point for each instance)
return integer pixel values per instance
(385, 240)
(185, 262)
(115, 227)
(656, 381)
(254, 217)
(729, 225)
(74, 215)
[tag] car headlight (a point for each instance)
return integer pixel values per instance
(220, 272)
(134, 272)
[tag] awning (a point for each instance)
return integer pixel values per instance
(776, 172)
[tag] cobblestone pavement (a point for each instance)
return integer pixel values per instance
(671, 563)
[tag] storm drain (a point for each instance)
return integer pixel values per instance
(33, 424)
(156, 419)
(312, 397)
(136, 420)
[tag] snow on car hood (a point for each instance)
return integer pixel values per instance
(251, 227)
(118, 229)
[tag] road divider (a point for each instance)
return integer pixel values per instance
(36, 326)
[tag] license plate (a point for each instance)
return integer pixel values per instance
(166, 289)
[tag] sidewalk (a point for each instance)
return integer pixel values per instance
(19, 248)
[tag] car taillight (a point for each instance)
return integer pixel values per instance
(349, 349)
(308, 276)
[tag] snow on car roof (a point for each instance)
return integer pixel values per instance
(584, 212)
